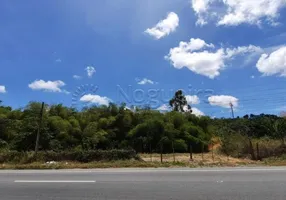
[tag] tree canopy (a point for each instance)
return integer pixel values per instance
(115, 127)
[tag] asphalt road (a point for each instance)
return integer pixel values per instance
(139, 184)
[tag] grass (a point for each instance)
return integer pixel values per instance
(111, 164)
(207, 159)
(276, 161)
(181, 160)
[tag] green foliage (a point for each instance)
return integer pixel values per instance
(280, 129)
(144, 130)
(79, 156)
(180, 145)
(235, 145)
(179, 102)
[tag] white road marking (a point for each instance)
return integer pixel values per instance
(52, 181)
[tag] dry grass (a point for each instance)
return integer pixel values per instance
(181, 160)
(276, 161)
(206, 159)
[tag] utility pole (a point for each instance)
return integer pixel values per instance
(231, 107)
(39, 128)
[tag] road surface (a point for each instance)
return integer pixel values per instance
(139, 184)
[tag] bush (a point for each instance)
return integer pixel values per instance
(3, 144)
(180, 146)
(235, 145)
(269, 147)
(79, 156)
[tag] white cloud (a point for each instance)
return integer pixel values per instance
(200, 7)
(236, 12)
(243, 50)
(204, 62)
(272, 64)
(58, 60)
(223, 101)
(145, 81)
(90, 98)
(48, 86)
(2, 89)
(164, 27)
(251, 11)
(76, 77)
(195, 44)
(164, 107)
(131, 108)
(197, 112)
(90, 71)
(192, 99)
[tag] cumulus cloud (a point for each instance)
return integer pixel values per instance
(76, 77)
(164, 27)
(145, 81)
(48, 86)
(272, 64)
(2, 89)
(223, 101)
(200, 7)
(236, 12)
(202, 58)
(90, 71)
(164, 107)
(192, 99)
(197, 112)
(96, 99)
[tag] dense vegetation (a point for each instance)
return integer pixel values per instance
(104, 127)
(144, 130)
(77, 156)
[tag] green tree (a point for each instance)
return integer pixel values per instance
(179, 102)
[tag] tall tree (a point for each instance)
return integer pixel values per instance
(179, 102)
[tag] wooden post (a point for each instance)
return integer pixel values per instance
(202, 151)
(39, 128)
(150, 152)
(212, 150)
(174, 157)
(191, 153)
(258, 153)
(161, 153)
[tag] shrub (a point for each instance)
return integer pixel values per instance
(80, 156)
(235, 145)
(180, 146)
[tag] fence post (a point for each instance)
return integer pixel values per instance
(212, 150)
(258, 153)
(191, 153)
(150, 152)
(161, 153)
(202, 151)
(173, 152)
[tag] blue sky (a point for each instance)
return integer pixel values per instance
(228, 53)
